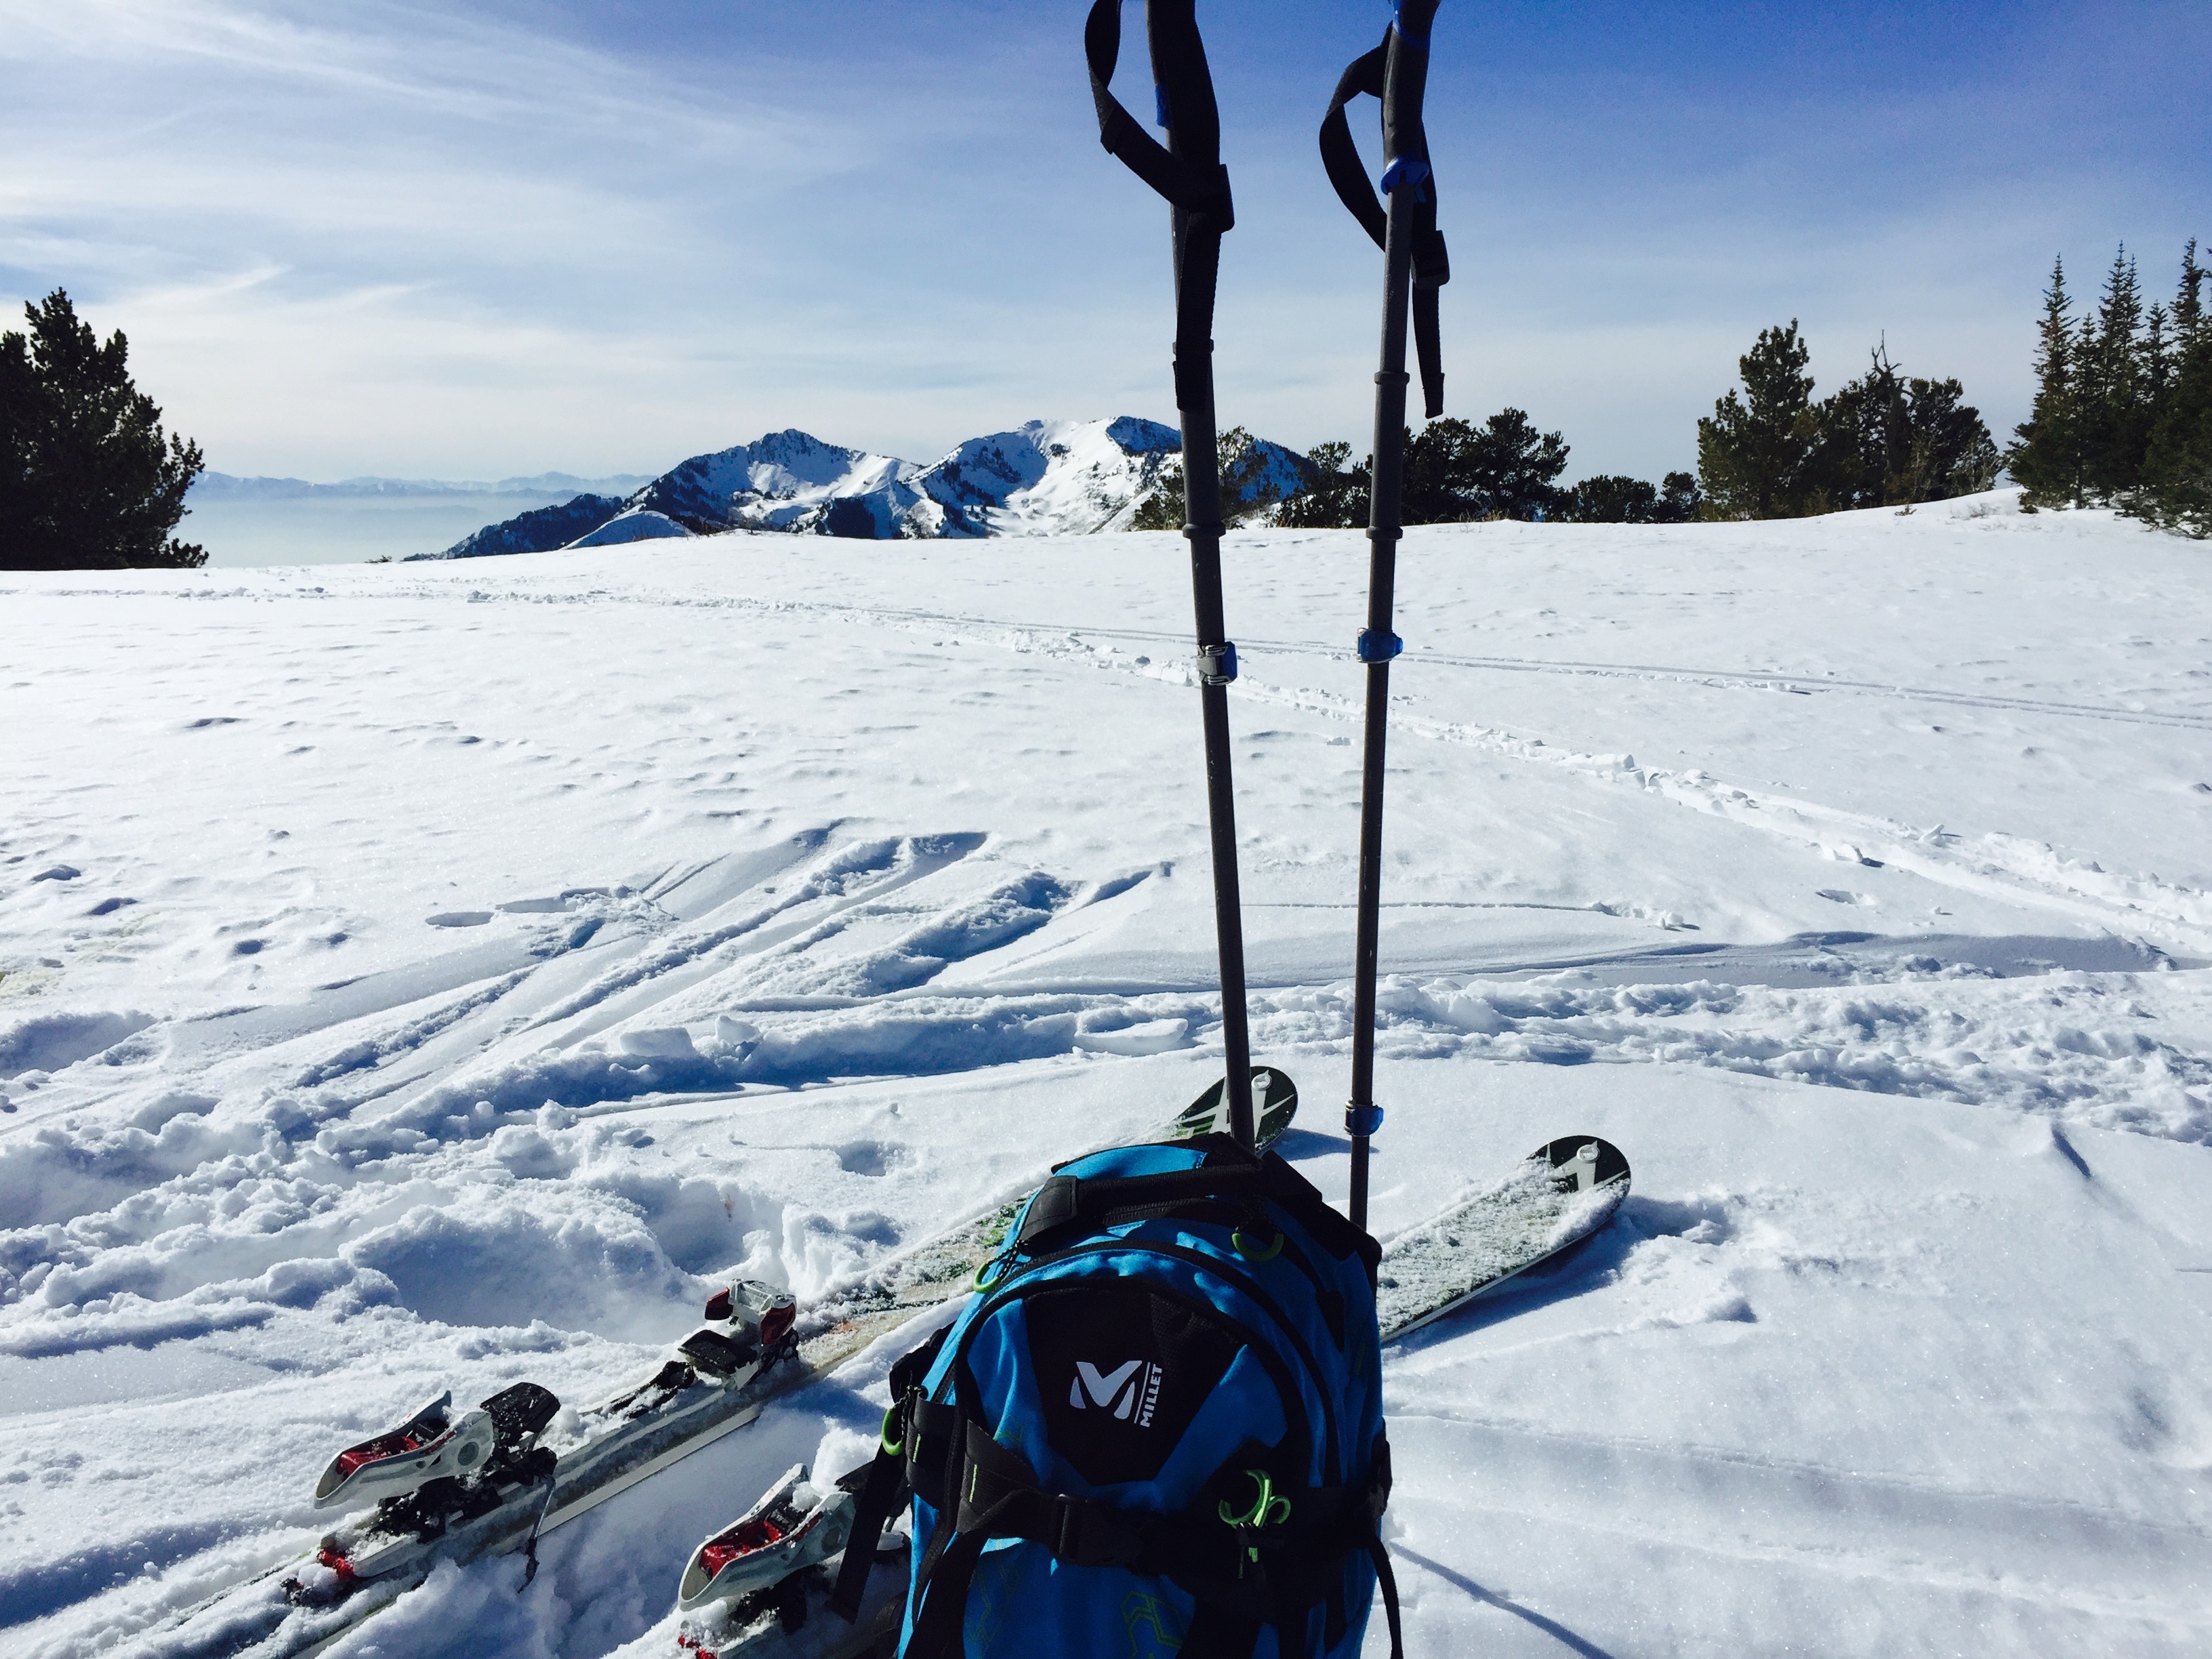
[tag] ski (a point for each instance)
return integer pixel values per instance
(463, 1486)
(1561, 1193)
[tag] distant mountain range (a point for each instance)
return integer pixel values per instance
(1047, 478)
(225, 486)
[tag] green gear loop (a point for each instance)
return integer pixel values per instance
(1251, 1253)
(992, 1270)
(891, 1447)
(1269, 1508)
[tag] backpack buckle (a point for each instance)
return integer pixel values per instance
(1087, 1534)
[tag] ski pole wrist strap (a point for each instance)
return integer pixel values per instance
(1405, 168)
(1194, 181)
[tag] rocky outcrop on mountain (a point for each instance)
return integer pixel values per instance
(537, 532)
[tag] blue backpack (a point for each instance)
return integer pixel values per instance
(1155, 1431)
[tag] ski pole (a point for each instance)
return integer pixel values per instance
(1187, 172)
(1413, 259)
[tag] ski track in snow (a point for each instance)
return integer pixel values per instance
(299, 1127)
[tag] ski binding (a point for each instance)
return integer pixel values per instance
(793, 1527)
(431, 1445)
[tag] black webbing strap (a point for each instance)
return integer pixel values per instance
(1386, 1582)
(910, 1455)
(1196, 187)
(1406, 166)
(999, 1497)
(1067, 1206)
(1193, 180)
(871, 1511)
(1222, 1561)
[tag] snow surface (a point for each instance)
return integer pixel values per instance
(441, 975)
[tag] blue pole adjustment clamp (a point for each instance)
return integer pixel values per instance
(1406, 171)
(1216, 664)
(1378, 647)
(1362, 1119)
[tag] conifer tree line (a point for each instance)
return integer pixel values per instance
(1769, 450)
(1882, 440)
(88, 480)
(2123, 413)
(2122, 418)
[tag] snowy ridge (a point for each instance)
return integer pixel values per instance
(1043, 478)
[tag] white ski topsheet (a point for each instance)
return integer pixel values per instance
(781, 902)
(1482, 1241)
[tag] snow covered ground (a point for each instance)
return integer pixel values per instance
(1853, 875)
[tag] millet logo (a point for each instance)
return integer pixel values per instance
(1130, 1390)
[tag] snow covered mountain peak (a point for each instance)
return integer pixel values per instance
(786, 480)
(1047, 477)
(1041, 479)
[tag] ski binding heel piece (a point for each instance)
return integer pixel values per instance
(433, 1445)
(765, 1312)
(752, 1324)
(793, 1527)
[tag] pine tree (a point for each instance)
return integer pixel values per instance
(1245, 487)
(1456, 472)
(1335, 492)
(2177, 471)
(2046, 459)
(2189, 302)
(2157, 360)
(1950, 452)
(1863, 457)
(1755, 453)
(1680, 500)
(88, 478)
(1611, 498)
(2115, 424)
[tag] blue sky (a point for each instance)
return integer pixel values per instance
(487, 239)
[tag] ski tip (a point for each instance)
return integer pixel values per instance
(1274, 1104)
(1588, 1160)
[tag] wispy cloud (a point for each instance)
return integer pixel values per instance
(493, 237)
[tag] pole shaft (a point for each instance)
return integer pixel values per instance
(1202, 494)
(1383, 533)
(1197, 268)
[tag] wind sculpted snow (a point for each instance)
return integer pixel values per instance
(446, 976)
